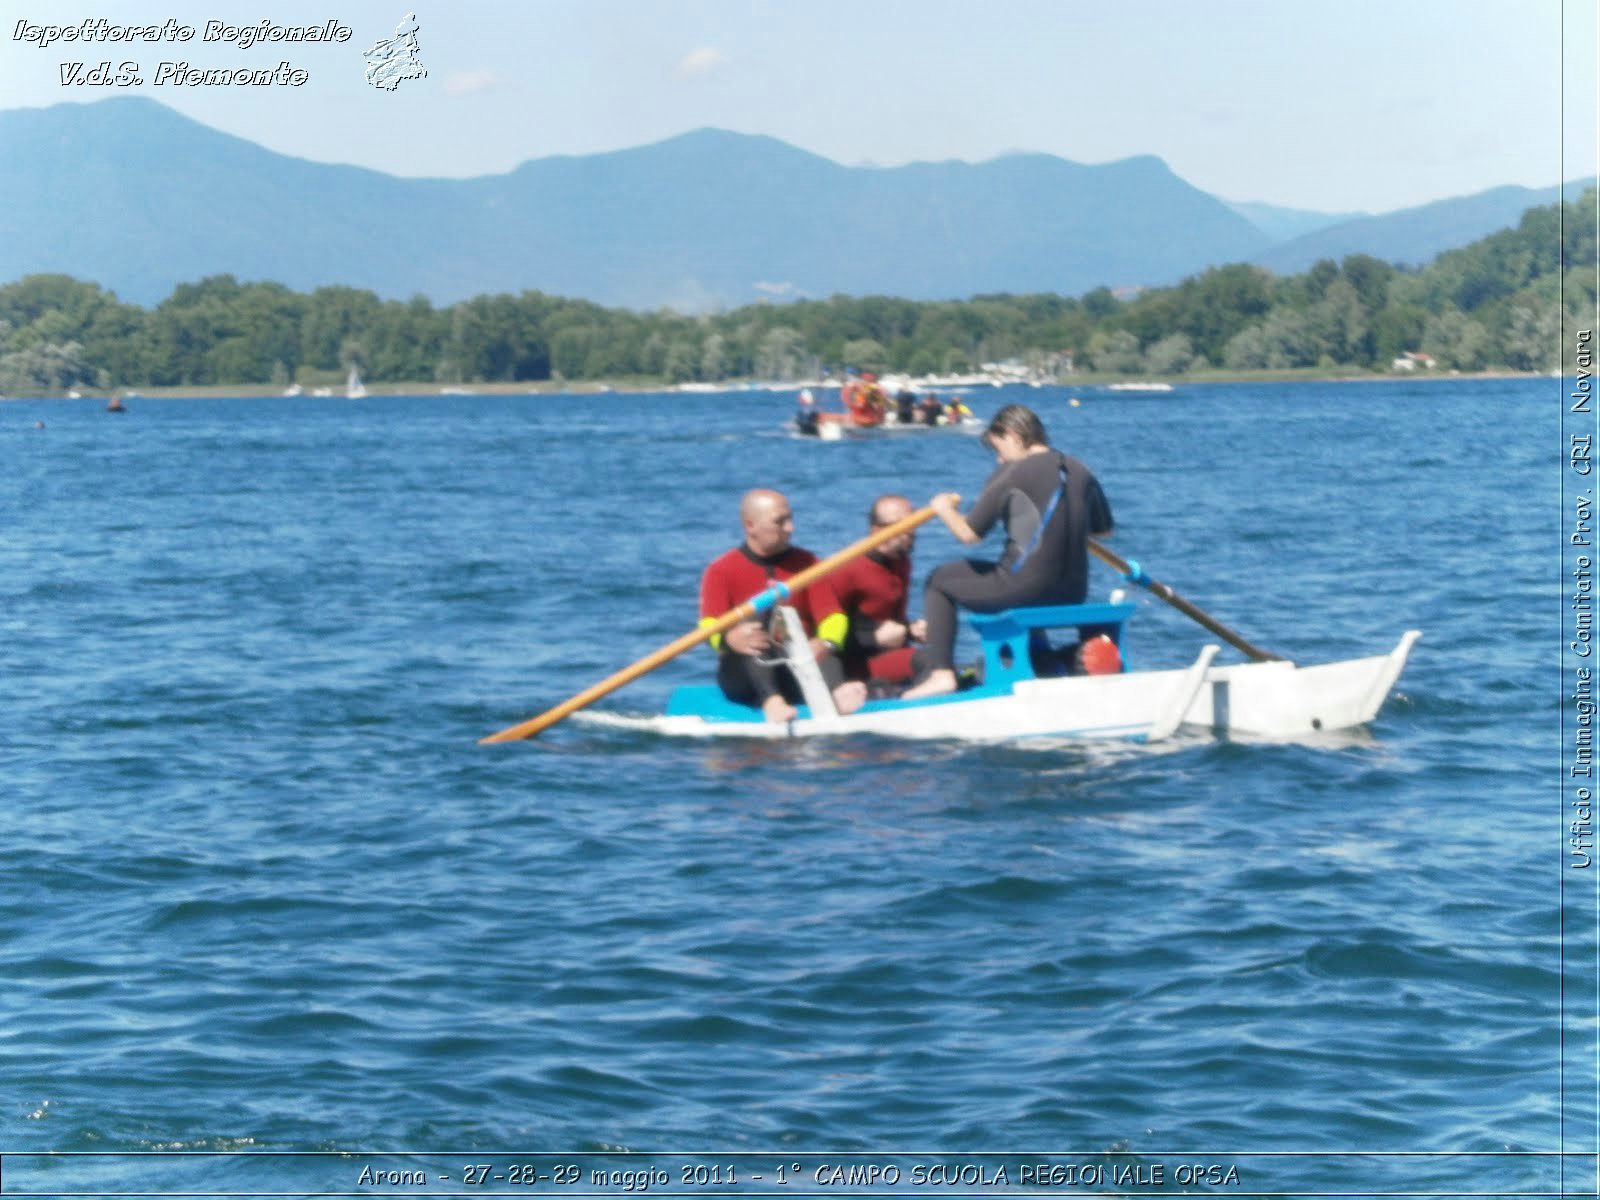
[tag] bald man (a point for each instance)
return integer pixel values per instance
(750, 670)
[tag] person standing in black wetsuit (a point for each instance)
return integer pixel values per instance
(1048, 503)
(805, 416)
(905, 407)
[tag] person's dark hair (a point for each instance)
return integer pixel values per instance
(1020, 420)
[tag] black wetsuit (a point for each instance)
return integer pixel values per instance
(1049, 566)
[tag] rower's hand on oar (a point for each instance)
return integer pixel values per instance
(748, 637)
(947, 506)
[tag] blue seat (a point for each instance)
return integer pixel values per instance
(1015, 639)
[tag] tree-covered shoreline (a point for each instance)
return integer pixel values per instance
(1496, 304)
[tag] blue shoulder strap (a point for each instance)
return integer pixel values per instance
(1049, 511)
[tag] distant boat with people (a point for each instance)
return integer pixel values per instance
(879, 414)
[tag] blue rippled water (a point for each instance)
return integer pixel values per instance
(262, 892)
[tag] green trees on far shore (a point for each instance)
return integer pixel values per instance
(1495, 303)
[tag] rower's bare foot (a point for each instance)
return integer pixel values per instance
(778, 710)
(849, 696)
(939, 683)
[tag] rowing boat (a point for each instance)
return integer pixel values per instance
(1139, 387)
(1027, 684)
(833, 427)
(1021, 695)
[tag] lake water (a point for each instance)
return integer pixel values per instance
(270, 917)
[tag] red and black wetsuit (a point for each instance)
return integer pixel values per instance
(736, 577)
(871, 590)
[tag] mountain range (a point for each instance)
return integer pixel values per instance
(133, 196)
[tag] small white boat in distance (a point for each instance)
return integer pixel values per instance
(1140, 387)
(1026, 692)
(354, 389)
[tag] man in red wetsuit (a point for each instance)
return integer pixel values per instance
(750, 669)
(871, 628)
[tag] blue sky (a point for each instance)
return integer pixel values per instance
(1344, 105)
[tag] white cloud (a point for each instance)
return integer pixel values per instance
(698, 62)
(465, 83)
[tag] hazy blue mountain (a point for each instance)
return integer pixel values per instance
(129, 194)
(133, 196)
(1281, 224)
(1415, 236)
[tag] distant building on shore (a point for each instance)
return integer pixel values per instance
(1413, 359)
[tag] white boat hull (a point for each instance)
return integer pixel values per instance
(1278, 699)
(1266, 699)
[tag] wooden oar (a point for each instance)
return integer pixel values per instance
(1134, 573)
(757, 604)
